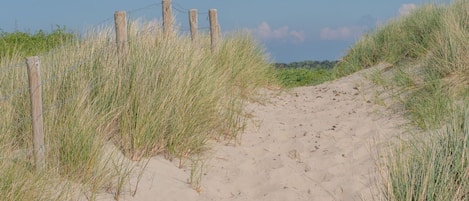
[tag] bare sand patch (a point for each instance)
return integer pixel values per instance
(309, 143)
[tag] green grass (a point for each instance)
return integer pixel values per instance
(428, 52)
(403, 38)
(435, 170)
(167, 96)
(30, 44)
(295, 77)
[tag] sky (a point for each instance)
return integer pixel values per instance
(295, 30)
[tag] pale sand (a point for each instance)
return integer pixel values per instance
(310, 143)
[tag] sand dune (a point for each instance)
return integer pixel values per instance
(309, 143)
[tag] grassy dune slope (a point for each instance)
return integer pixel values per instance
(429, 53)
(168, 96)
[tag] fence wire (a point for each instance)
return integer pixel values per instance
(72, 68)
(14, 93)
(11, 67)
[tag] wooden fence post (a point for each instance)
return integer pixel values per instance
(167, 17)
(121, 34)
(35, 91)
(193, 22)
(214, 29)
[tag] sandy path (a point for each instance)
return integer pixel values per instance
(310, 143)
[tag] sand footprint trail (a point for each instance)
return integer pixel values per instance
(310, 143)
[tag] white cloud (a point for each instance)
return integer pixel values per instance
(265, 32)
(299, 35)
(405, 9)
(342, 33)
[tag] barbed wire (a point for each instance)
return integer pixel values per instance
(58, 104)
(24, 121)
(68, 70)
(74, 67)
(14, 93)
(177, 5)
(179, 8)
(204, 28)
(12, 66)
(102, 22)
(43, 82)
(20, 122)
(143, 8)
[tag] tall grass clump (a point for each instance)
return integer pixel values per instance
(428, 52)
(73, 143)
(406, 37)
(166, 96)
(437, 169)
(172, 96)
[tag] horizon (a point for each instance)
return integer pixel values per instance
(288, 31)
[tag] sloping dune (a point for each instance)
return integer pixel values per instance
(308, 143)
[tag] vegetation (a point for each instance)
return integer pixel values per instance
(436, 169)
(26, 44)
(326, 64)
(167, 96)
(302, 76)
(304, 73)
(429, 75)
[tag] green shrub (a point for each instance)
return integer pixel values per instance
(23, 44)
(301, 76)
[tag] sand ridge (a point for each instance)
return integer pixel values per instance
(308, 143)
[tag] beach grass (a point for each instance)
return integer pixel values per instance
(427, 50)
(168, 96)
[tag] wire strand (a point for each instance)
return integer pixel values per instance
(143, 8)
(15, 93)
(11, 67)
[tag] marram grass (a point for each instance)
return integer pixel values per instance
(427, 50)
(166, 96)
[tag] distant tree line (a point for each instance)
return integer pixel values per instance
(326, 64)
(24, 44)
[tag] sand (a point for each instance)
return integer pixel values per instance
(308, 143)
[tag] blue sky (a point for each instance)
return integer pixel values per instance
(293, 30)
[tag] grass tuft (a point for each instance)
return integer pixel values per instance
(428, 51)
(432, 169)
(167, 96)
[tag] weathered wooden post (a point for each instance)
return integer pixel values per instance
(121, 34)
(167, 17)
(214, 30)
(35, 92)
(193, 22)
